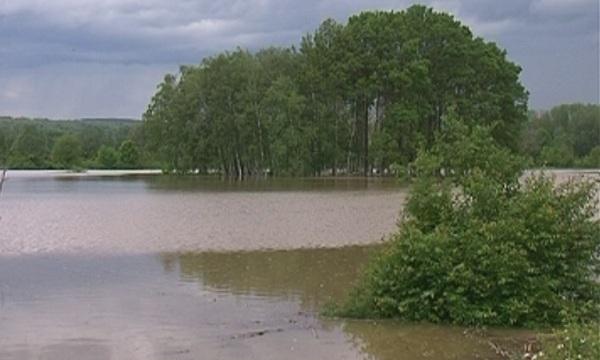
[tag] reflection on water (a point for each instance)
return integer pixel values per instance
(312, 276)
(251, 305)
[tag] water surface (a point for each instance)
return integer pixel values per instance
(239, 305)
(43, 212)
(152, 267)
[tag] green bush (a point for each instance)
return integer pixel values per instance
(557, 156)
(591, 160)
(478, 245)
(66, 152)
(574, 341)
(128, 155)
(107, 157)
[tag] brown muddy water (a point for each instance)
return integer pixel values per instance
(51, 212)
(152, 267)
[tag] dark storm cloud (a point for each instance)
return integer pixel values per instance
(72, 58)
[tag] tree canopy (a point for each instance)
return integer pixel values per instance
(355, 97)
(67, 151)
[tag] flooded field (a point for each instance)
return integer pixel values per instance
(50, 212)
(180, 268)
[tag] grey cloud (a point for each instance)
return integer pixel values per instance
(128, 44)
(74, 90)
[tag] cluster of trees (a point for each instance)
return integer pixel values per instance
(91, 143)
(566, 136)
(355, 97)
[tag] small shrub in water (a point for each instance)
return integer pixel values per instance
(478, 245)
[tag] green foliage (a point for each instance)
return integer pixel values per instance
(66, 152)
(560, 155)
(565, 136)
(591, 160)
(107, 157)
(128, 154)
(29, 149)
(354, 97)
(29, 143)
(574, 341)
(4, 149)
(479, 246)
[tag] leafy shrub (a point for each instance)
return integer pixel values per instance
(66, 152)
(129, 155)
(574, 341)
(591, 160)
(107, 157)
(557, 155)
(480, 246)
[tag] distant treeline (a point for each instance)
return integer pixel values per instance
(88, 143)
(353, 98)
(566, 136)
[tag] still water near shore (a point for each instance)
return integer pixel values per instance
(236, 305)
(152, 267)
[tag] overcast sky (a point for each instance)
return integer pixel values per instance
(104, 58)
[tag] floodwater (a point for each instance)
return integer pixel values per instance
(53, 212)
(152, 267)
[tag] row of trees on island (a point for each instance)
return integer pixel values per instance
(354, 97)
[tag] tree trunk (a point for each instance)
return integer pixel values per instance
(335, 140)
(366, 138)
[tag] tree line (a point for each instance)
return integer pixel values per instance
(566, 136)
(353, 98)
(89, 143)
